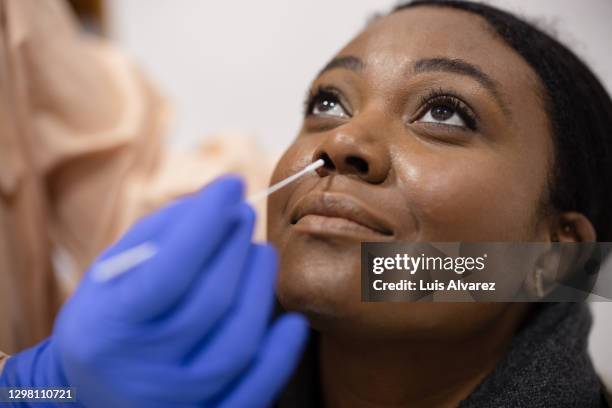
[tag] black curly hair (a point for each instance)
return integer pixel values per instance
(579, 111)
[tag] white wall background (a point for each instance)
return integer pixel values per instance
(245, 65)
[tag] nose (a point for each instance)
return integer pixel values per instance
(350, 153)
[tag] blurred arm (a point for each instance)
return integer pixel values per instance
(83, 154)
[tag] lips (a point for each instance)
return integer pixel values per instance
(339, 214)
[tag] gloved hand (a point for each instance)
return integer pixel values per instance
(188, 327)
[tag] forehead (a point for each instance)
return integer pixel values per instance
(391, 44)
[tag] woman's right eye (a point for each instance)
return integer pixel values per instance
(325, 103)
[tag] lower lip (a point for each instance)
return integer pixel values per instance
(335, 226)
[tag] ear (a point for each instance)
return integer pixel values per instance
(573, 227)
(541, 280)
(558, 263)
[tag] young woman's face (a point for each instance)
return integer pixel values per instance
(435, 131)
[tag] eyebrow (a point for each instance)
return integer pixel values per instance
(347, 62)
(462, 67)
(440, 64)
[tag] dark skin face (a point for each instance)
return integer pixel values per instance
(433, 130)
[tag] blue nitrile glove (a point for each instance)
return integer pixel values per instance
(188, 327)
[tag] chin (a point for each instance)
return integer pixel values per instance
(323, 283)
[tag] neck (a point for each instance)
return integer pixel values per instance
(411, 372)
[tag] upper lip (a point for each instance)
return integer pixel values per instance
(341, 206)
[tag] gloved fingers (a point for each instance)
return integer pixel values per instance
(241, 333)
(261, 381)
(203, 374)
(273, 366)
(199, 233)
(213, 294)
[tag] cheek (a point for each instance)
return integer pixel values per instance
(465, 196)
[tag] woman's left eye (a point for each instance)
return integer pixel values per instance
(448, 111)
(444, 115)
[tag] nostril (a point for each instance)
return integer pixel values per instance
(329, 164)
(327, 167)
(358, 164)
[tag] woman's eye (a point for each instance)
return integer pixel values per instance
(443, 114)
(327, 104)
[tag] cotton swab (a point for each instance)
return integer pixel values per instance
(262, 194)
(132, 257)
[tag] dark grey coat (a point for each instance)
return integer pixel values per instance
(547, 365)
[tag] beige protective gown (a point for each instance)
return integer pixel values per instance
(82, 157)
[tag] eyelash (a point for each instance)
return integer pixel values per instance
(320, 93)
(437, 97)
